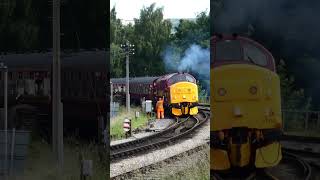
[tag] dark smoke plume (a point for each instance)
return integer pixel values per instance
(290, 29)
(195, 60)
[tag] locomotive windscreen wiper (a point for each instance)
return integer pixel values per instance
(251, 60)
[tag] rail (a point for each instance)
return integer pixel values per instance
(303, 170)
(178, 130)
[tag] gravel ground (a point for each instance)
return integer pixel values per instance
(312, 147)
(197, 162)
(199, 137)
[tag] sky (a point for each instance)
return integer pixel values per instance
(173, 9)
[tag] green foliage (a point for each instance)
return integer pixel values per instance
(19, 26)
(193, 32)
(40, 163)
(116, 128)
(27, 24)
(151, 34)
(292, 98)
(117, 61)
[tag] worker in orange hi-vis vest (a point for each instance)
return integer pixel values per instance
(160, 109)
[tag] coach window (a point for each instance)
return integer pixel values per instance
(31, 75)
(10, 74)
(26, 75)
(228, 50)
(92, 76)
(87, 75)
(254, 55)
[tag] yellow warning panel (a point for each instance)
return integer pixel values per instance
(269, 155)
(176, 111)
(240, 154)
(194, 111)
(219, 159)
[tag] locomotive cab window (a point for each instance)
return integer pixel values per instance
(228, 50)
(181, 77)
(254, 55)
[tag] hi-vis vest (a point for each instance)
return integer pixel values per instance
(159, 105)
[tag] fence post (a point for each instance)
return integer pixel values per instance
(306, 121)
(318, 120)
(12, 149)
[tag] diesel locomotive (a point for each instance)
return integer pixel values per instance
(179, 90)
(246, 122)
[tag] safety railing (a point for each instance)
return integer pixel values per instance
(300, 120)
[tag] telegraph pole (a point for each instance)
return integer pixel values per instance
(4, 69)
(127, 82)
(111, 98)
(129, 50)
(57, 121)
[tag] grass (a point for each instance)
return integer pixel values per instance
(40, 163)
(116, 126)
(189, 166)
(200, 169)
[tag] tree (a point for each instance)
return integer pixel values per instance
(151, 34)
(292, 98)
(19, 25)
(116, 37)
(193, 32)
(27, 25)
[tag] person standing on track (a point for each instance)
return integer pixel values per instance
(160, 109)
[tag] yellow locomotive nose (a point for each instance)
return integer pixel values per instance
(241, 103)
(183, 97)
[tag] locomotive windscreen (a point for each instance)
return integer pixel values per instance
(235, 50)
(181, 77)
(228, 50)
(254, 55)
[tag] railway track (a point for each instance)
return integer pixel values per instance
(181, 128)
(306, 147)
(303, 139)
(291, 167)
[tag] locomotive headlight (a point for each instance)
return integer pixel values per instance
(253, 90)
(237, 112)
(222, 92)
